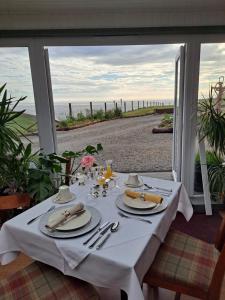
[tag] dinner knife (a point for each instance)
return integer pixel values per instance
(35, 218)
(97, 231)
(101, 235)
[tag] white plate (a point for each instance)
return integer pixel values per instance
(73, 197)
(74, 222)
(142, 212)
(138, 203)
(95, 220)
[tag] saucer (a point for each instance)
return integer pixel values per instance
(140, 184)
(73, 197)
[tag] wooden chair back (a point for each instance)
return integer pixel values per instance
(14, 201)
(218, 277)
(220, 238)
(8, 203)
(219, 272)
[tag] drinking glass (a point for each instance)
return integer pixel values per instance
(108, 172)
(101, 180)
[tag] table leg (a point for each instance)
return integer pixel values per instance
(123, 295)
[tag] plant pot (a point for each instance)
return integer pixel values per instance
(14, 201)
(162, 130)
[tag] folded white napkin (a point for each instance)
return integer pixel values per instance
(58, 219)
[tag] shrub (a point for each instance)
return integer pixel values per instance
(109, 114)
(81, 116)
(167, 121)
(118, 112)
(99, 115)
(212, 158)
(63, 124)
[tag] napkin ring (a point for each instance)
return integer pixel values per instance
(142, 196)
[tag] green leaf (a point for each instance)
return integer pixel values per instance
(99, 147)
(42, 188)
(58, 157)
(27, 151)
(91, 149)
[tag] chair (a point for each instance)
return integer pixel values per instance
(189, 266)
(39, 281)
(9, 204)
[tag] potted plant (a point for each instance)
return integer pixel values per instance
(9, 130)
(25, 175)
(211, 160)
(14, 157)
(212, 128)
(50, 171)
(14, 177)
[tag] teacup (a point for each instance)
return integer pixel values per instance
(133, 180)
(64, 194)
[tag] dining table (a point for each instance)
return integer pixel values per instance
(125, 257)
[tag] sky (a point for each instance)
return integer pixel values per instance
(107, 73)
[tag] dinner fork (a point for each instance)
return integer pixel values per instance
(158, 188)
(132, 217)
(35, 218)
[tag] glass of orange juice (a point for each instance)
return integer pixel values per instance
(108, 171)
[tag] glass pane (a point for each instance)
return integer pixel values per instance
(210, 82)
(15, 72)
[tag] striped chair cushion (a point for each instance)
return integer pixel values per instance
(38, 281)
(184, 260)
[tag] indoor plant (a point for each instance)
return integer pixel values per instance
(25, 175)
(212, 128)
(211, 160)
(14, 157)
(9, 130)
(50, 171)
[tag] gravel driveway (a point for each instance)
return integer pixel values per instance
(128, 142)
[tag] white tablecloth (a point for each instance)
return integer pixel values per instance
(124, 259)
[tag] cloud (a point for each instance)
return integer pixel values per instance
(114, 72)
(103, 73)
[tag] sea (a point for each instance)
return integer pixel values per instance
(62, 108)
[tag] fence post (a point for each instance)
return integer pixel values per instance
(132, 105)
(114, 102)
(143, 104)
(91, 109)
(138, 104)
(105, 108)
(70, 110)
(121, 103)
(125, 106)
(116, 106)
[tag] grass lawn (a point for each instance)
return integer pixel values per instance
(27, 122)
(100, 116)
(144, 111)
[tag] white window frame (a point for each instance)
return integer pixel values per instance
(193, 43)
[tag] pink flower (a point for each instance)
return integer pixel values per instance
(87, 161)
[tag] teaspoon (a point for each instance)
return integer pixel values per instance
(113, 228)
